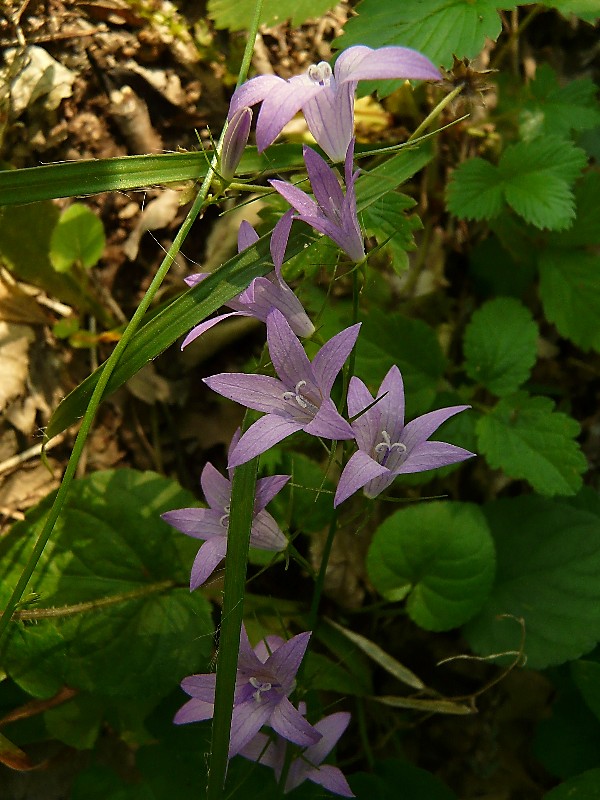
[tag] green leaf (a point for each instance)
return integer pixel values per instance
(127, 625)
(556, 109)
(534, 178)
(438, 28)
(387, 339)
(386, 221)
(584, 9)
(586, 228)
(500, 345)
(582, 787)
(389, 775)
(78, 238)
(76, 723)
(441, 555)
(320, 672)
(586, 676)
(528, 440)
(570, 293)
(236, 15)
(548, 561)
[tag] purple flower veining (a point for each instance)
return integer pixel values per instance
(386, 446)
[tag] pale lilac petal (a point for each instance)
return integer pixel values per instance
(263, 434)
(375, 487)
(266, 533)
(248, 661)
(431, 455)
(264, 750)
(253, 91)
(260, 392)
(329, 424)
(198, 330)
(246, 236)
(202, 687)
(359, 470)
(234, 142)
(216, 487)
(246, 721)
(194, 280)
(359, 398)
(201, 523)
(269, 293)
(279, 240)
(287, 354)
(391, 405)
(366, 427)
(194, 711)
(286, 661)
(326, 188)
(332, 356)
(267, 646)
(384, 63)
(330, 119)
(267, 488)
(279, 106)
(331, 729)
(330, 778)
(208, 559)
(298, 199)
(288, 722)
(421, 428)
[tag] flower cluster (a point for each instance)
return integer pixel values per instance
(297, 397)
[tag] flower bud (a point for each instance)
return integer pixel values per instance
(234, 142)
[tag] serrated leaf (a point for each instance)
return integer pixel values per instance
(528, 440)
(386, 221)
(548, 561)
(78, 238)
(500, 345)
(585, 230)
(237, 15)
(570, 293)
(534, 178)
(556, 109)
(437, 28)
(135, 629)
(387, 339)
(443, 553)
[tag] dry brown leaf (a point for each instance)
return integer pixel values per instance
(18, 306)
(14, 362)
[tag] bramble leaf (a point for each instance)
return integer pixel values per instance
(528, 440)
(548, 559)
(77, 238)
(500, 345)
(236, 15)
(386, 221)
(438, 555)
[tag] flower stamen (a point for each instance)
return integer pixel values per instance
(224, 521)
(300, 398)
(260, 686)
(319, 73)
(385, 447)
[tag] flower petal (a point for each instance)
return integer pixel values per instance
(332, 357)
(248, 661)
(253, 91)
(421, 428)
(288, 722)
(298, 199)
(329, 424)
(246, 236)
(330, 119)
(286, 660)
(267, 488)
(259, 392)
(264, 750)
(287, 354)
(196, 278)
(279, 240)
(384, 63)
(359, 470)
(216, 488)
(267, 646)
(279, 106)
(194, 711)
(246, 721)
(202, 687)
(201, 523)
(266, 533)
(208, 559)
(264, 433)
(324, 183)
(331, 729)
(366, 426)
(391, 405)
(431, 455)
(271, 292)
(330, 778)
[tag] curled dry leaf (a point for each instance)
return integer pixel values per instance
(14, 362)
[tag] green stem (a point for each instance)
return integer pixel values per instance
(435, 113)
(313, 614)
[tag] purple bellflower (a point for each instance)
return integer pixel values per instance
(333, 213)
(387, 447)
(299, 399)
(326, 96)
(263, 294)
(212, 523)
(265, 679)
(309, 764)
(234, 142)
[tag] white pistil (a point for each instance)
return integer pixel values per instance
(224, 521)
(385, 447)
(260, 686)
(299, 397)
(319, 73)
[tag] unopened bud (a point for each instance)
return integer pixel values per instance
(234, 142)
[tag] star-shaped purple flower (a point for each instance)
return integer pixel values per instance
(309, 764)
(326, 96)
(265, 679)
(212, 524)
(263, 294)
(333, 213)
(386, 447)
(299, 399)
